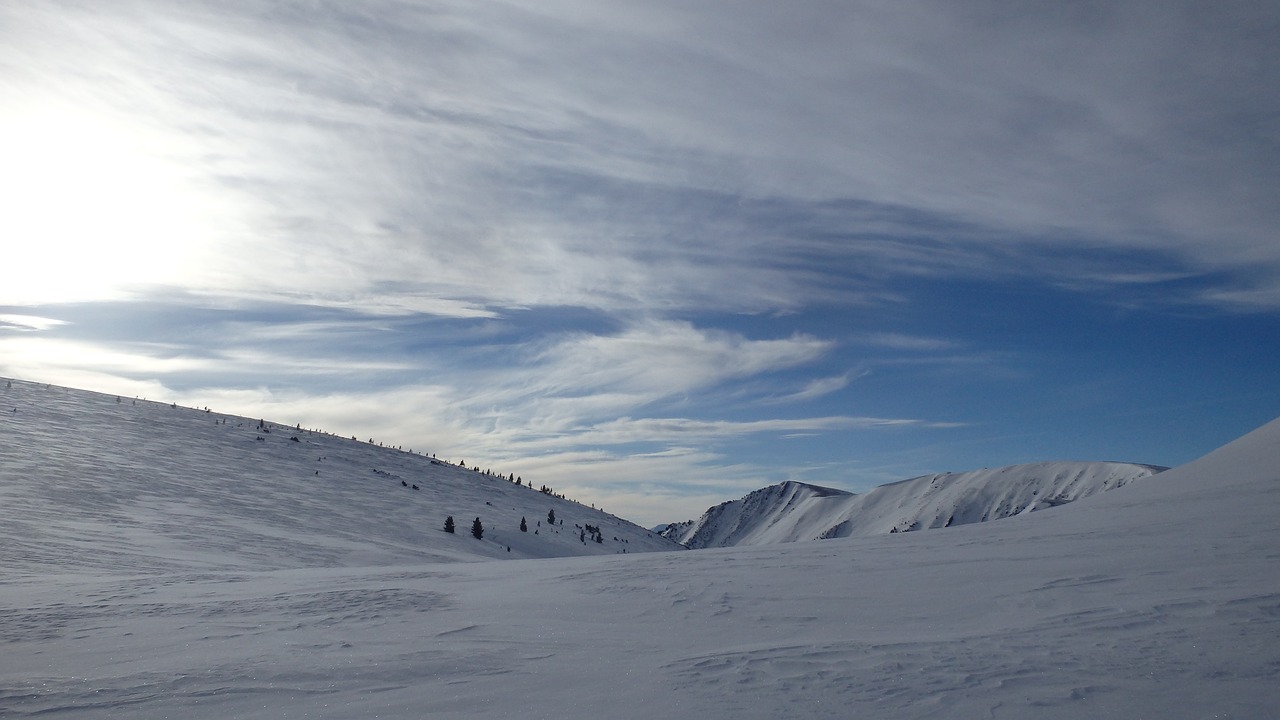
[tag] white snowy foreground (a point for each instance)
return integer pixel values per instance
(1160, 599)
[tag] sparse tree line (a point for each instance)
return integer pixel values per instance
(513, 478)
(585, 531)
(265, 427)
(477, 527)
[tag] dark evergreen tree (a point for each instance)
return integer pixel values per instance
(524, 527)
(477, 530)
(448, 524)
(551, 516)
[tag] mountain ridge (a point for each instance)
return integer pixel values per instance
(793, 511)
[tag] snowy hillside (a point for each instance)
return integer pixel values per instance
(149, 487)
(792, 511)
(118, 600)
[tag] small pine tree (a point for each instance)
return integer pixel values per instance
(551, 516)
(448, 524)
(524, 527)
(477, 530)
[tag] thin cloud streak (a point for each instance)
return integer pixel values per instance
(655, 430)
(901, 341)
(816, 388)
(27, 323)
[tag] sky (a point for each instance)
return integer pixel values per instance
(656, 255)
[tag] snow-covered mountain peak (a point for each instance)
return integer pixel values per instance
(793, 511)
(767, 515)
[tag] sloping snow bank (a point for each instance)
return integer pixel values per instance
(95, 483)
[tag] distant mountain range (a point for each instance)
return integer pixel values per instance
(793, 511)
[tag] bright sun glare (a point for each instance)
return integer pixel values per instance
(92, 208)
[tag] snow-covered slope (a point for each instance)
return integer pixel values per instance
(793, 511)
(145, 486)
(1157, 600)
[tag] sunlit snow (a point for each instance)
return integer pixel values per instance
(158, 563)
(794, 511)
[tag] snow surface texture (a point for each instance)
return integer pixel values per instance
(794, 511)
(147, 487)
(1157, 600)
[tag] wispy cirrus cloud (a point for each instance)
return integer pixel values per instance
(669, 357)
(684, 430)
(504, 224)
(453, 157)
(902, 341)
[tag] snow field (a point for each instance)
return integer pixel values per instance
(1155, 600)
